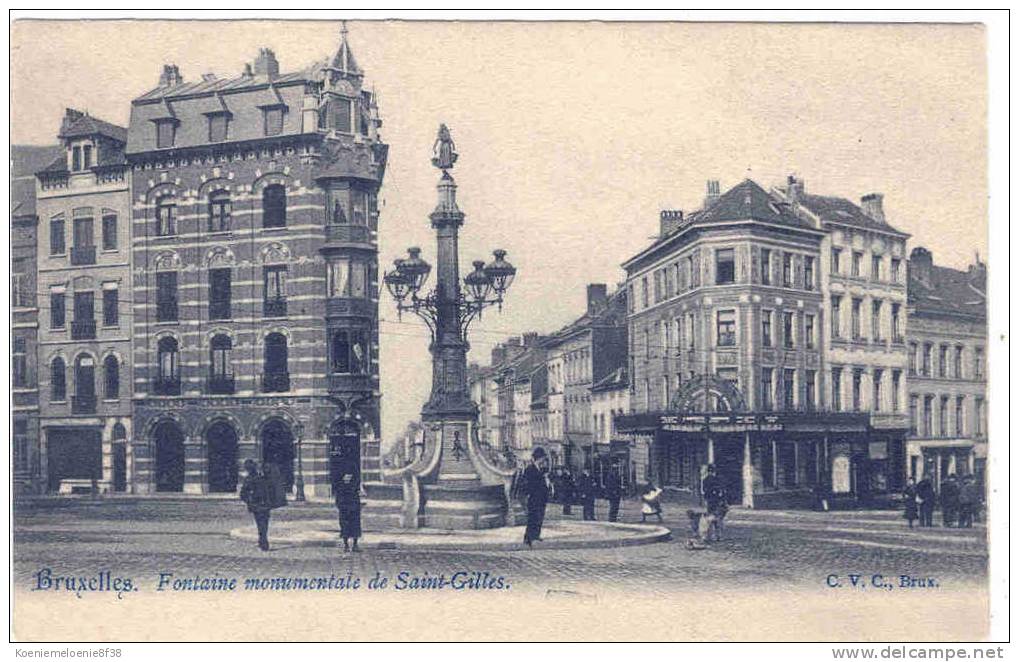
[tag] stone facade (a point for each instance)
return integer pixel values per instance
(28, 475)
(728, 312)
(255, 279)
(947, 372)
(84, 262)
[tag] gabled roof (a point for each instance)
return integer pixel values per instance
(86, 125)
(949, 291)
(613, 314)
(832, 209)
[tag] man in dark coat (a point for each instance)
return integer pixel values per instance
(949, 501)
(347, 491)
(536, 489)
(567, 491)
(714, 492)
(587, 492)
(613, 491)
(926, 497)
(258, 493)
(969, 500)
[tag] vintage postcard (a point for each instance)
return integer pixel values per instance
(502, 331)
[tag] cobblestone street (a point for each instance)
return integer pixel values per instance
(787, 549)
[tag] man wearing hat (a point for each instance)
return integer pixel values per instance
(536, 488)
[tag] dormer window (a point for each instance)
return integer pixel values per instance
(76, 158)
(81, 157)
(86, 156)
(218, 127)
(165, 133)
(273, 120)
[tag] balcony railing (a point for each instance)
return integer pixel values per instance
(83, 255)
(83, 329)
(221, 384)
(275, 307)
(276, 382)
(83, 404)
(166, 386)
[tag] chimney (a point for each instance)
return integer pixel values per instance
(920, 264)
(794, 189)
(513, 342)
(266, 64)
(978, 274)
(873, 206)
(597, 298)
(70, 117)
(247, 73)
(171, 76)
(669, 221)
(713, 193)
(498, 355)
(530, 339)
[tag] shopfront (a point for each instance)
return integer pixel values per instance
(772, 460)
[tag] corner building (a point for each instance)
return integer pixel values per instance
(255, 273)
(728, 354)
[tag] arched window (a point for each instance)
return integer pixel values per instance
(119, 431)
(219, 211)
(166, 216)
(221, 378)
(84, 401)
(341, 351)
(274, 206)
(58, 380)
(275, 377)
(349, 352)
(111, 377)
(168, 367)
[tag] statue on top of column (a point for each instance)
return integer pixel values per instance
(444, 149)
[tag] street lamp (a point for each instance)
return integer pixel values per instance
(299, 431)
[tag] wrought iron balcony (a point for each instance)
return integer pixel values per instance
(166, 386)
(83, 404)
(275, 307)
(84, 329)
(221, 384)
(83, 255)
(276, 382)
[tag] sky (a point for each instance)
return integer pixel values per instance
(572, 137)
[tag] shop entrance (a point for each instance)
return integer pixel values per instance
(729, 467)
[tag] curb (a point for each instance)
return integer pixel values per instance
(650, 534)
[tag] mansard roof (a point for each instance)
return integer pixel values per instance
(949, 292)
(831, 209)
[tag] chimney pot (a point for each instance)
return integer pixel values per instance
(669, 221)
(713, 193)
(873, 206)
(266, 64)
(795, 189)
(170, 76)
(597, 297)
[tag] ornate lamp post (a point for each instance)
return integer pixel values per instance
(448, 310)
